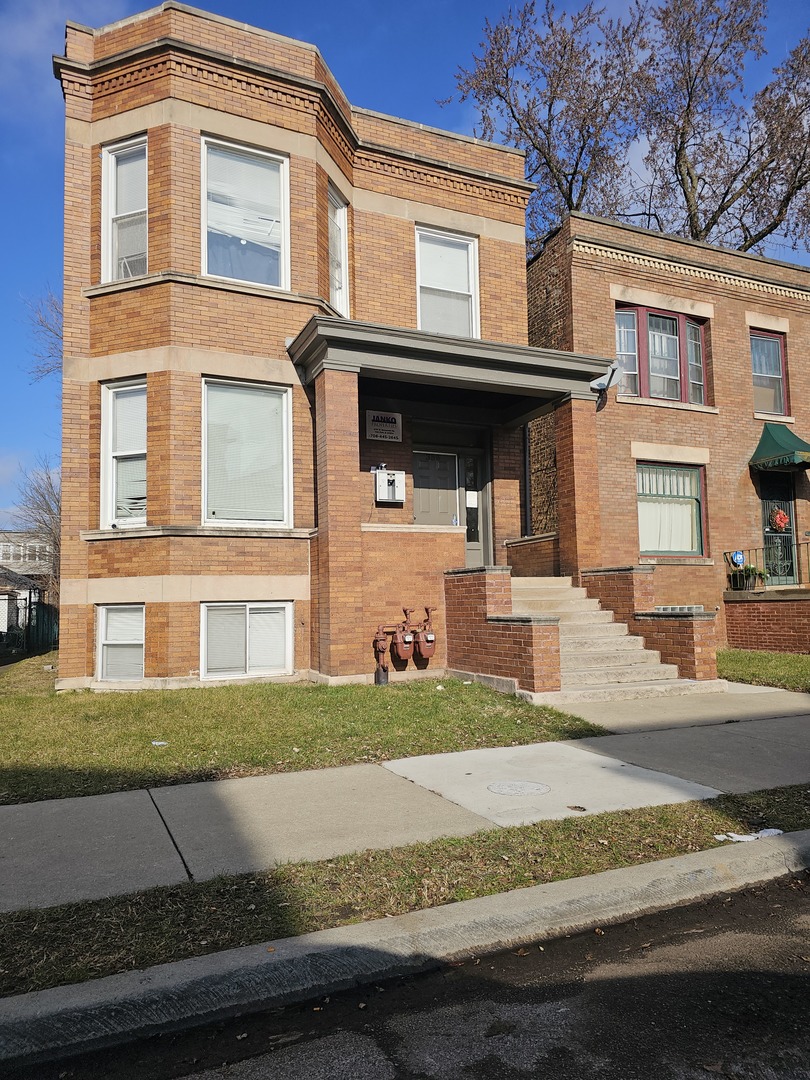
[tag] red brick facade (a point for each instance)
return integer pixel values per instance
(589, 269)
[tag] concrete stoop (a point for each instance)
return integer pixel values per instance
(600, 660)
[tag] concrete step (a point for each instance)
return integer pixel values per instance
(596, 642)
(568, 699)
(583, 660)
(542, 582)
(578, 618)
(539, 592)
(600, 633)
(627, 673)
(551, 607)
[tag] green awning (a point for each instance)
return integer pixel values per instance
(779, 448)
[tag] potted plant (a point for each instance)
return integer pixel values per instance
(747, 577)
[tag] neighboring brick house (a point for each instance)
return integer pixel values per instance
(714, 348)
(268, 294)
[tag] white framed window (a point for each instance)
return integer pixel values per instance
(338, 253)
(447, 277)
(124, 211)
(246, 454)
(245, 229)
(123, 471)
(246, 639)
(120, 642)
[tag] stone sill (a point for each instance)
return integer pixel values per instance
(778, 594)
(537, 538)
(681, 616)
(149, 532)
(774, 418)
(677, 560)
(661, 403)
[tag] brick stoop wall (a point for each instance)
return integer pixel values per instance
(485, 638)
(778, 621)
(534, 556)
(687, 639)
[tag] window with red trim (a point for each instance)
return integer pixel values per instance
(661, 355)
(768, 366)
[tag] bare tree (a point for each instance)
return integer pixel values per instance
(728, 170)
(45, 320)
(567, 89)
(38, 509)
(584, 96)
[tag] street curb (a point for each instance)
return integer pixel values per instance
(73, 1019)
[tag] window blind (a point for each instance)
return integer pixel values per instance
(122, 644)
(129, 452)
(225, 649)
(267, 639)
(445, 286)
(245, 454)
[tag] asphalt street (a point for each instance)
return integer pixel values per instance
(720, 988)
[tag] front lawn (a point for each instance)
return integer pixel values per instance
(81, 743)
(789, 671)
(75, 942)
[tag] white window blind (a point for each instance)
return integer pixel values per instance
(245, 454)
(128, 224)
(246, 639)
(128, 408)
(338, 248)
(244, 215)
(446, 285)
(122, 642)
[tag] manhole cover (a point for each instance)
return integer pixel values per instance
(518, 787)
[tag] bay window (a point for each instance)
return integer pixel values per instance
(244, 215)
(670, 516)
(246, 639)
(247, 460)
(124, 461)
(124, 211)
(661, 355)
(447, 274)
(120, 642)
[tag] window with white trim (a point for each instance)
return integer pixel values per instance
(670, 509)
(447, 275)
(338, 253)
(245, 215)
(247, 459)
(768, 365)
(123, 473)
(124, 213)
(660, 354)
(121, 635)
(246, 639)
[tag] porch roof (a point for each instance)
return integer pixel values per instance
(535, 377)
(779, 448)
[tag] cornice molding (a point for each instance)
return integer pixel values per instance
(727, 278)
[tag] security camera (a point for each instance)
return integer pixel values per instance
(604, 382)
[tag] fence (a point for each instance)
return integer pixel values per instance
(779, 562)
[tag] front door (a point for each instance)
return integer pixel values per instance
(449, 488)
(776, 493)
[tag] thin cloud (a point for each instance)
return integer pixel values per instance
(31, 34)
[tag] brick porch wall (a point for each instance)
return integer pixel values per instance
(485, 638)
(534, 556)
(778, 621)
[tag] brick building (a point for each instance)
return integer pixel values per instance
(269, 295)
(702, 444)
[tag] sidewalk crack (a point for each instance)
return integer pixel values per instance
(171, 835)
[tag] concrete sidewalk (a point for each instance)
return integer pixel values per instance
(84, 849)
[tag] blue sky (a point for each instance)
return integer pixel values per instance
(389, 57)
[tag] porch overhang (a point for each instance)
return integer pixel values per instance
(537, 378)
(779, 448)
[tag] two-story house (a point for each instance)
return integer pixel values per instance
(698, 462)
(296, 366)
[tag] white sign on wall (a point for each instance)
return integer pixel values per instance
(383, 426)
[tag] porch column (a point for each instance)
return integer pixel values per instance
(339, 644)
(578, 513)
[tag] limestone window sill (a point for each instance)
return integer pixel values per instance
(660, 403)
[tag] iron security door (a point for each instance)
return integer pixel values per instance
(776, 493)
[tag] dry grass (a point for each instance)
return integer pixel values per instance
(76, 942)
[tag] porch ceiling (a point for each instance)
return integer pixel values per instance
(527, 380)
